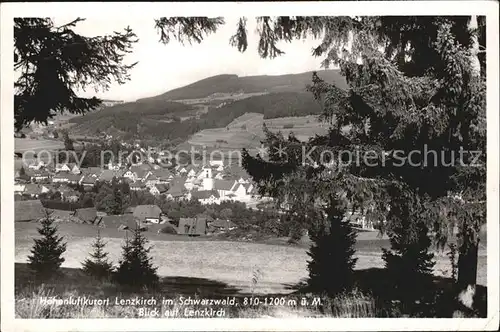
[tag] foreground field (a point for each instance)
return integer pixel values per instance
(22, 145)
(232, 263)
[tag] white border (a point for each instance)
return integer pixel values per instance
(110, 10)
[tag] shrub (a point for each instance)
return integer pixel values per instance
(135, 270)
(46, 255)
(98, 266)
(168, 229)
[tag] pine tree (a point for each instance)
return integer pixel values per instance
(46, 255)
(51, 65)
(98, 265)
(409, 262)
(135, 270)
(332, 262)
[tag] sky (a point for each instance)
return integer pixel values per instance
(162, 67)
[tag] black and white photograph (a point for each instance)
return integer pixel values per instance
(176, 167)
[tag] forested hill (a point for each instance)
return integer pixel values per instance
(249, 84)
(210, 103)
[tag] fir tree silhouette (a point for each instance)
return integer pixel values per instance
(46, 255)
(98, 265)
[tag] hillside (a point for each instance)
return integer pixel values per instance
(210, 103)
(233, 84)
(247, 132)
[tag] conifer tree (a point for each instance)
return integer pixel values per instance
(46, 255)
(332, 262)
(135, 270)
(409, 262)
(98, 265)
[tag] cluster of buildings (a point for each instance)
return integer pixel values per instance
(209, 184)
(147, 217)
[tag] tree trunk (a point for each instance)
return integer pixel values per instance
(473, 26)
(467, 272)
(467, 265)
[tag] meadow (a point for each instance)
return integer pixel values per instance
(25, 144)
(232, 263)
(246, 131)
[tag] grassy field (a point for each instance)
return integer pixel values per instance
(25, 144)
(232, 263)
(246, 131)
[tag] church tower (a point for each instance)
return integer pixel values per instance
(208, 181)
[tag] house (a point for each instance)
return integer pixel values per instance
(222, 225)
(93, 171)
(224, 188)
(240, 192)
(19, 188)
(135, 173)
(151, 180)
(125, 221)
(62, 167)
(107, 175)
(192, 226)
(191, 171)
(206, 196)
(88, 180)
(177, 190)
(219, 176)
(87, 215)
(37, 175)
(36, 165)
(163, 175)
(29, 211)
(217, 162)
(114, 166)
(137, 186)
(34, 190)
(147, 213)
(74, 168)
(64, 177)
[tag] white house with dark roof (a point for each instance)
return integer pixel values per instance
(152, 180)
(147, 213)
(38, 175)
(138, 186)
(163, 175)
(206, 196)
(36, 164)
(88, 180)
(66, 178)
(158, 189)
(135, 173)
(240, 193)
(224, 188)
(62, 167)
